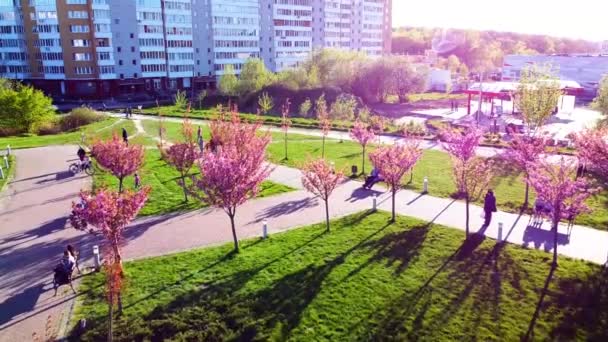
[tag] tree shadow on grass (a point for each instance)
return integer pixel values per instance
(585, 304)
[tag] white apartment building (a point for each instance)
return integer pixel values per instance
(103, 48)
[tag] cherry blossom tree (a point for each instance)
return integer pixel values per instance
(556, 185)
(107, 213)
(114, 285)
(233, 173)
(324, 121)
(285, 122)
(118, 158)
(363, 134)
(182, 157)
(320, 178)
(472, 175)
(524, 152)
(592, 148)
(393, 162)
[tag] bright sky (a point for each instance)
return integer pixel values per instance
(585, 19)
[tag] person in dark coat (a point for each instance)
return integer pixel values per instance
(125, 136)
(489, 207)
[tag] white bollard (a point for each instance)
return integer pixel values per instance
(425, 185)
(8, 150)
(6, 162)
(374, 202)
(1, 173)
(264, 229)
(96, 258)
(499, 237)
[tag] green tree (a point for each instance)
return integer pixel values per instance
(228, 82)
(342, 111)
(537, 96)
(404, 78)
(254, 76)
(601, 101)
(305, 108)
(180, 100)
(265, 103)
(24, 108)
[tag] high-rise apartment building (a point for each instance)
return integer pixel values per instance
(103, 48)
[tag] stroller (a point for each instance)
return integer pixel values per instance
(62, 275)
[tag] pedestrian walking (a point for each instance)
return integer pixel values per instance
(201, 143)
(125, 136)
(137, 180)
(489, 207)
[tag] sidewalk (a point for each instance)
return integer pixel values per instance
(161, 235)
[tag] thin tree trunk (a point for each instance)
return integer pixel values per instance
(236, 241)
(110, 318)
(555, 224)
(393, 200)
(285, 145)
(527, 193)
(466, 200)
(118, 260)
(184, 187)
(120, 179)
(363, 162)
(323, 148)
(327, 214)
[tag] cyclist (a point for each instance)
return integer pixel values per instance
(81, 153)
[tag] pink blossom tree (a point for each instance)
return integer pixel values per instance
(363, 134)
(233, 173)
(285, 123)
(556, 185)
(393, 162)
(471, 174)
(524, 152)
(183, 155)
(321, 179)
(592, 148)
(117, 157)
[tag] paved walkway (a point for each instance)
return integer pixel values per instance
(33, 212)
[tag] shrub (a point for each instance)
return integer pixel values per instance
(49, 128)
(79, 117)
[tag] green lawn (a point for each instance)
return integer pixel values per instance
(366, 280)
(99, 130)
(7, 173)
(167, 195)
(509, 186)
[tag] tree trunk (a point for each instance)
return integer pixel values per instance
(363, 162)
(236, 241)
(118, 260)
(466, 201)
(527, 193)
(286, 145)
(184, 187)
(327, 214)
(110, 318)
(556, 216)
(120, 179)
(394, 193)
(323, 148)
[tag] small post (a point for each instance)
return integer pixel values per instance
(425, 185)
(96, 259)
(499, 237)
(374, 202)
(1, 173)
(264, 229)
(6, 162)
(82, 137)
(8, 150)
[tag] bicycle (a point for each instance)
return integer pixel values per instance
(86, 166)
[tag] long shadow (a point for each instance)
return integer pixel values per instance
(25, 207)
(530, 332)
(285, 208)
(20, 303)
(521, 212)
(584, 302)
(34, 177)
(45, 229)
(58, 177)
(360, 194)
(416, 198)
(543, 238)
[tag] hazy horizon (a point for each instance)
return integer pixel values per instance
(581, 19)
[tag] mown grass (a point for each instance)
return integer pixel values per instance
(508, 185)
(365, 280)
(8, 173)
(167, 195)
(99, 130)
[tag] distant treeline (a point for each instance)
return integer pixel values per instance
(483, 49)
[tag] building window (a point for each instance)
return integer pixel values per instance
(132, 35)
(83, 70)
(120, 62)
(118, 49)
(76, 2)
(78, 14)
(132, 48)
(79, 28)
(135, 75)
(134, 62)
(80, 42)
(82, 56)
(122, 76)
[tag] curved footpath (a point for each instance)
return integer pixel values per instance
(34, 209)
